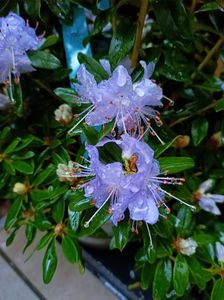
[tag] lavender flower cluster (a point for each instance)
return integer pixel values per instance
(133, 184)
(16, 38)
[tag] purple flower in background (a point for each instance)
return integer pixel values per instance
(118, 98)
(16, 38)
(208, 201)
(220, 252)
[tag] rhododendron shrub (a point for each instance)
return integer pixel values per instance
(130, 135)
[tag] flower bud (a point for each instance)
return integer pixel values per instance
(185, 246)
(66, 172)
(20, 188)
(181, 142)
(64, 114)
(216, 140)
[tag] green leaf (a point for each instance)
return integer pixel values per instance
(12, 146)
(43, 175)
(9, 168)
(163, 148)
(214, 84)
(121, 235)
(219, 105)
(44, 241)
(62, 9)
(147, 275)
(218, 289)
(32, 8)
(50, 41)
(199, 130)
(66, 94)
(173, 20)
(13, 213)
(74, 219)
(101, 218)
(122, 42)
(39, 195)
(162, 279)
(58, 211)
(213, 5)
(109, 153)
(27, 155)
(204, 238)
(44, 60)
(183, 221)
(30, 232)
(180, 275)
(200, 275)
(23, 167)
(70, 249)
(11, 237)
(93, 67)
(49, 264)
(175, 164)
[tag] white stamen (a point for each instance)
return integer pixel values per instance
(150, 236)
(181, 201)
(168, 99)
(86, 225)
(72, 129)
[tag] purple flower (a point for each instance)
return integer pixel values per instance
(208, 201)
(220, 252)
(119, 99)
(133, 185)
(16, 38)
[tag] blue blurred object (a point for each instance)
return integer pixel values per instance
(73, 36)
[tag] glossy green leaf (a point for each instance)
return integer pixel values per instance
(121, 235)
(62, 9)
(122, 42)
(23, 167)
(199, 130)
(12, 146)
(44, 60)
(44, 241)
(180, 275)
(13, 213)
(33, 8)
(93, 67)
(218, 289)
(175, 164)
(162, 279)
(50, 41)
(213, 5)
(147, 275)
(58, 210)
(8, 166)
(66, 94)
(43, 175)
(70, 249)
(200, 275)
(49, 263)
(219, 105)
(109, 153)
(163, 148)
(74, 219)
(30, 232)
(183, 221)
(39, 195)
(101, 218)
